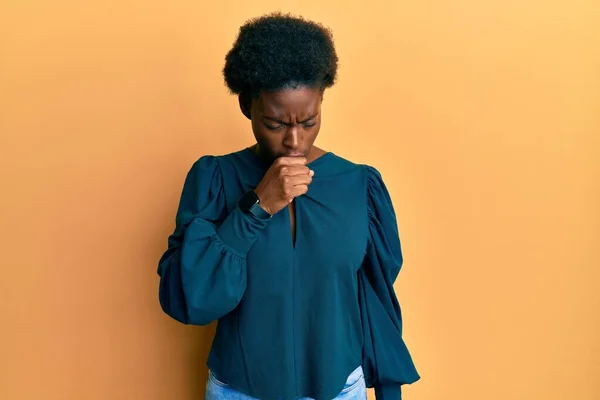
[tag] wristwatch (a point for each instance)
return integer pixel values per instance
(250, 203)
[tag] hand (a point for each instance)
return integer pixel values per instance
(287, 178)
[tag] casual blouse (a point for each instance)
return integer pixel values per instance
(295, 317)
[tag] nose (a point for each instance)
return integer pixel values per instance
(291, 139)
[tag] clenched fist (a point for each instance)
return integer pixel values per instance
(287, 178)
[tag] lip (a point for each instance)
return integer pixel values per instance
(294, 155)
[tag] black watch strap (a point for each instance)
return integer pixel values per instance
(250, 203)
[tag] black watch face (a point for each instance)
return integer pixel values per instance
(248, 200)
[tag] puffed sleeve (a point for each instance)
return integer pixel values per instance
(386, 361)
(203, 271)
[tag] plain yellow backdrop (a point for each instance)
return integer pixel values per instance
(483, 117)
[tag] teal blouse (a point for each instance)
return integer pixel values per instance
(294, 318)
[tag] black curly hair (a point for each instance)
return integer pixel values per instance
(278, 51)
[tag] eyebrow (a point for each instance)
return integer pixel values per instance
(285, 123)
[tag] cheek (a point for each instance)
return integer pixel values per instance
(267, 139)
(260, 132)
(255, 127)
(312, 134)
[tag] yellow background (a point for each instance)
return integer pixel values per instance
(483, 116)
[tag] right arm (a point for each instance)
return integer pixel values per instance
(203, 272)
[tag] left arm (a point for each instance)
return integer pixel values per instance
(386, 360)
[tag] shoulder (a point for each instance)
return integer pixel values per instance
(338, 166)
(204, 174)
(335, 164)
(374, 177)
(377, 192)
(379, 207)
(214, 162)
(347, 164)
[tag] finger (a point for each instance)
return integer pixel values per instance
(293, 170)
(291, 160)
(299, 190)
(300, 180)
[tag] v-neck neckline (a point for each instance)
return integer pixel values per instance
(264, 166)
(293, 233)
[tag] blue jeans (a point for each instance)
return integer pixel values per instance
(355, 389)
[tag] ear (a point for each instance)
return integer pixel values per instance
(245, 104)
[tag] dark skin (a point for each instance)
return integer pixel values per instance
(285, 124)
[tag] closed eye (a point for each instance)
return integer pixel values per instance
(275, 127)
(272, 127)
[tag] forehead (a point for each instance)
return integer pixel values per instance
(298, 101)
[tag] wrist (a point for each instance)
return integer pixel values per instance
(262, 202)
(250, 203)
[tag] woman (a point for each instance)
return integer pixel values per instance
(293, 249)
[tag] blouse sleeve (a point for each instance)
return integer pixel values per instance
(387, 363)
(203, 271)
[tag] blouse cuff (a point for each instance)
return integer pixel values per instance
(388, 391)
(240, 230)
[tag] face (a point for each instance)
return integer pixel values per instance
(286, 122)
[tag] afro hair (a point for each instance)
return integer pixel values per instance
(278, 51)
